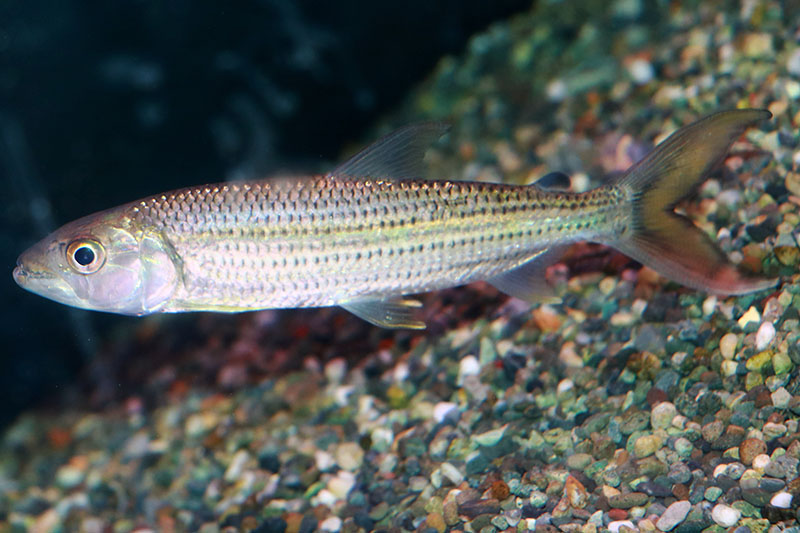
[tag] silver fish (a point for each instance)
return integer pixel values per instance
(367, 234)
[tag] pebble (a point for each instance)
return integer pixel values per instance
(468, 366)
(452, 473)
(661, 415)
(782, 363)
(615, 526)
(236, 466)
(727, 345)
(781, 398)
(575, 493)
(764, 335)
(436, 521)
(673, 515)
(443, 410)
(725, 515)
(758, 362)
(750, 316)
(349, 456)
(331, 524)
(793, 63)
(628, 500)
(646, 445)
(782, 500)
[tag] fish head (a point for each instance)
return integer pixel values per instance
(101, 262)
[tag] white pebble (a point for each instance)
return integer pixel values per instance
(565, 385)
(764, 336)
(793, 64)
(725, 515)
(341, 484)
(616, 524)
(782, 500)
(781, 398)
(468, 366)
(442, 409)
(727, 345)
(452, 473)
(709, 304)
(760, 462)
(641, 71)
(332, 524)
(673, 515)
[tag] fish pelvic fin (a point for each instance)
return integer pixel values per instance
(667, 242)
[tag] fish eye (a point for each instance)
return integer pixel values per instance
(86, 256)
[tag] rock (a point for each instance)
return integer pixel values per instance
(772, 430)
(782, 500)
(575, 493)
(628, 500)
(725, 515)
(750, 448)
(758, 362)
(662, 414)
(713, 430)
(673, 515)
(436, 522)
(349, 456)
(579, 461)
(781, 363)
(475, 508)
(750, 316)
(781, 397)
(764, 335)
(646, 445)
(727, 345)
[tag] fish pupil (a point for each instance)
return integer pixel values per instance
(84, 256)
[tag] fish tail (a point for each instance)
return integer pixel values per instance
(667, 242)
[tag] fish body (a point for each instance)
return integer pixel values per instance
(363, 237)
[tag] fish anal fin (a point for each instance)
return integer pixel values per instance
(398, 155)
(527, 281)
(396, 313)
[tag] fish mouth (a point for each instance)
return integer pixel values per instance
(42, 281)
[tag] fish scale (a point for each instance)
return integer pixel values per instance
(365, 235)
(322, 241)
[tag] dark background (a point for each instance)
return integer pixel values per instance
(104, 102)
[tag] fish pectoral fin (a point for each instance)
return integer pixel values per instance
(398, 155)
(397, 313)
(527, 281)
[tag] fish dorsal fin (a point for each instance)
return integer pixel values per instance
(554, 181)
(397, 155)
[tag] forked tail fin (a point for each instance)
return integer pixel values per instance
(667, 242)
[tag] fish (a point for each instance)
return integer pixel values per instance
(371, 233)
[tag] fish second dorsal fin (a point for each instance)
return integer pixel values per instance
(397, 155)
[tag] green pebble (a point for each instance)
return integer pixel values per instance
(683, 447)
(753, 380)
(579, 461)
(646, 445)
(759, 361)
(747, 509)
(500, 522)
(712, 493)
(781, 363)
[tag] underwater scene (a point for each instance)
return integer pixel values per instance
(460, 266)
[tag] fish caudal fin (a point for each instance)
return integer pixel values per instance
(667, 242)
